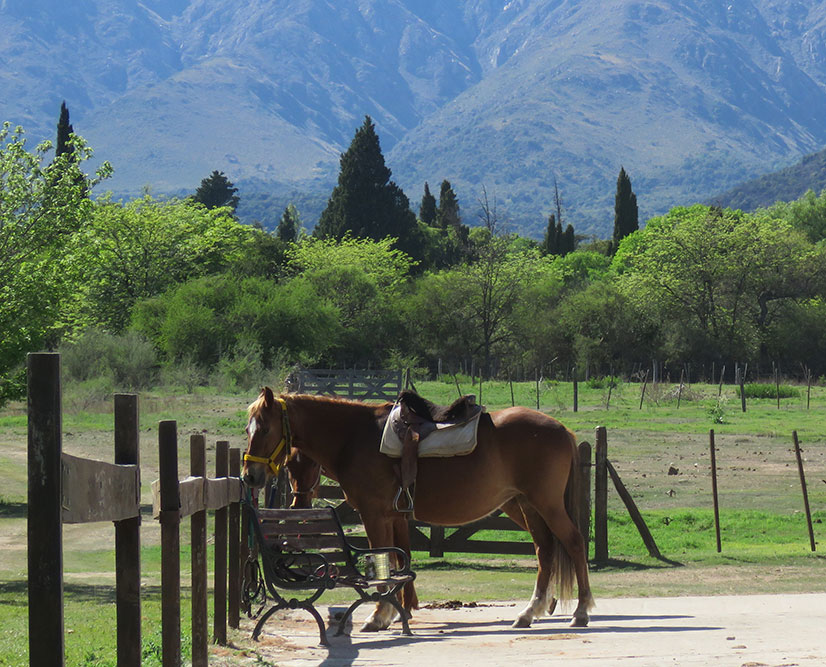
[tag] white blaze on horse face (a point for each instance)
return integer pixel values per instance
(251, 427)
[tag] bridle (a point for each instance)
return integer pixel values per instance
(313, 487)
(285, 442)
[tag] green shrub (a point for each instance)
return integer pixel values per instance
(129, 359)
(764, 390)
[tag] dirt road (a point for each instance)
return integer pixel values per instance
(742, 631)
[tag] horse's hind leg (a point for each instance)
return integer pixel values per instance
(541, 601)
(557, 519)
(401, 539)
(379, 534)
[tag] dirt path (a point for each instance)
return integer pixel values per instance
(741, 631)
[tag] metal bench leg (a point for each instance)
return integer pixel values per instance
(322, 630)
(263, 619)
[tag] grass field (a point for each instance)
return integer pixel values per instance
(765, 545)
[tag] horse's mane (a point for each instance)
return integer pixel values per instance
(257, 404)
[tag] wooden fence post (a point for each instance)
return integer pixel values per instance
(799, 457)
(234, 536)
(127, 539)
(45, 522)
(170, 543)
(198, 523)
(576, 391)
(601, 496)
(219, 624)
(585, 492)
(713, 449)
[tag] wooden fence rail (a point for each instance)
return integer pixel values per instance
(364, 385)
(68, 489)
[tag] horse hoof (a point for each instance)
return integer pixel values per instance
(522, 622)
(580, 622)
(371, 626)
(552, 606)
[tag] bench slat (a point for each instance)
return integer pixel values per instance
(326, 527)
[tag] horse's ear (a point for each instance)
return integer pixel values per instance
(269, 399)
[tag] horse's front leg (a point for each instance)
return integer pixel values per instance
(379, 534)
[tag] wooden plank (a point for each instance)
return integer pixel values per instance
(601, 496)
(127, 540)
(98, 491)
(293, 515)
(320, 527)
(198, 558)
(636, 517)
(191, 492)
(234, 536)
(303, 542)
(44, 525)
(219, 618)
(170, 517)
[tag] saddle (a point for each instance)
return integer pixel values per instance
(415, 419)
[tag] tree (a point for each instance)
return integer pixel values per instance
(447, 215)
(141, 249)
(289, 225)
(366, 203)
(427, 209)
(718, 278)
(64, 131)
(216, 191)
(550, 243)
(42, 207)
(626, 215)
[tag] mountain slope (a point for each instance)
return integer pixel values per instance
(690, 96)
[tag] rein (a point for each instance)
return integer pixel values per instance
(286, 438)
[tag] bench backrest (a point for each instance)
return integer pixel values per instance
(311, 530)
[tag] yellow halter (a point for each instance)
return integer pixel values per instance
(284, 442)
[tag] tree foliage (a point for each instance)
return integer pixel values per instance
(42, 207)
(427, 209)
(137, 250)
(366, 203)
(626, 214)
(216, 191)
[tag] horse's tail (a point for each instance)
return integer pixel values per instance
(564, 568)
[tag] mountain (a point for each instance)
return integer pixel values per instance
(692, 97)
(787, 184)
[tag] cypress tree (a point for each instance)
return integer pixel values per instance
(365, 202)
(216, 190)
(626, 214)
(64, 130)
(288, 225)
(550, 245)
(568, 242)
(427, 209)
(447, 214)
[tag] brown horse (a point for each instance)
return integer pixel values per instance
(523, 459)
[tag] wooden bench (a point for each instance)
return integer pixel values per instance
(307, 551)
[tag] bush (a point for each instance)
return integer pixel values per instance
(762, 390)
(129, 360)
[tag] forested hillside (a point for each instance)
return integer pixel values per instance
(785, 185)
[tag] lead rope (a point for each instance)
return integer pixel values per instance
(253, 588)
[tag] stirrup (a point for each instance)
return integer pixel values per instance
(408, 498)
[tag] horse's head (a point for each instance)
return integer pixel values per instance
(267, 438)
(305, 476)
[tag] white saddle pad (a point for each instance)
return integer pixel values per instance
(446, 440)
